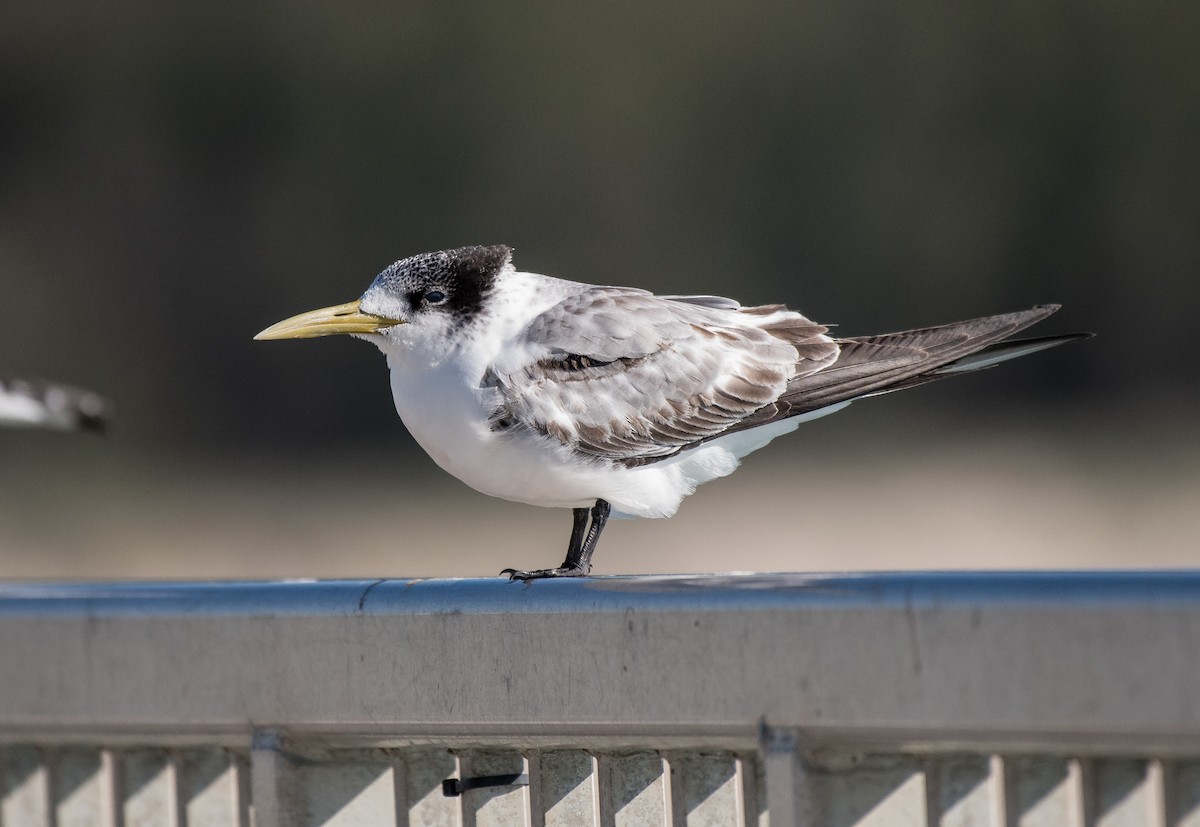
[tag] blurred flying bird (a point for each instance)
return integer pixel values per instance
(612, 400)
(29, 404)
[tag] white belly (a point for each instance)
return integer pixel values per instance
(448, 418)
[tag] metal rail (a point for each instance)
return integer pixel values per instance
(894, 699)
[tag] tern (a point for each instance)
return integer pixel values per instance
(33, 404)
(613, 401)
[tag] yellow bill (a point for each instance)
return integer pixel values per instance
(328, 321)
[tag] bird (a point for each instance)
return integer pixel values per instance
(26, 403)
(614, 401)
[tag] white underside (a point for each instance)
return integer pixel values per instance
(448, 420)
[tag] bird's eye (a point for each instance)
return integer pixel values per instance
(435, 297)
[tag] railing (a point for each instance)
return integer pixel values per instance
(902, 699)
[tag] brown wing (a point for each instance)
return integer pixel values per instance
(624, 376)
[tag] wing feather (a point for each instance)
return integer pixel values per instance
(622, 376)
(871, 365)
(641, 375)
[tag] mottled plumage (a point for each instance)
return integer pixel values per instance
(559, 393)
(627, 377)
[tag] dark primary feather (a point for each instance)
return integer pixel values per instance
(870, 365)
(644, 377)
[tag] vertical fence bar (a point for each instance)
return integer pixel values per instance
(790, 799)
(273, 783)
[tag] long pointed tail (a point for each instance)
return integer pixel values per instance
(872, 365)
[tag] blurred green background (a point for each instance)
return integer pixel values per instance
(175, 177)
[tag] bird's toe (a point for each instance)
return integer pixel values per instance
(544, 574)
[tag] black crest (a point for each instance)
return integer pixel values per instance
(466, 276)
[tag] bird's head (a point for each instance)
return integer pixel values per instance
(420, 298)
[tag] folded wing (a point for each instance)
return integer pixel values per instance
(624, 376)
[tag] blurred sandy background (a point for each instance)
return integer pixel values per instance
(175, 178)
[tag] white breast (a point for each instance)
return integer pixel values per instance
(450, 421)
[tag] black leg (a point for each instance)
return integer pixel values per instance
(600, 512)
(578, 529)
(579, 550)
